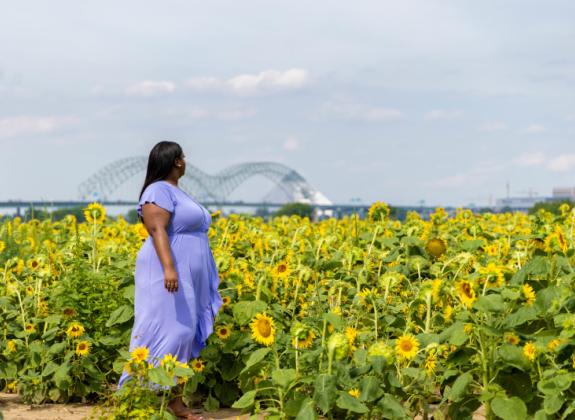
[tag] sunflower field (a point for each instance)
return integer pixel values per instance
(341, 319)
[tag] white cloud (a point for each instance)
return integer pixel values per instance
(493, 126)
(236, 114)
(267, 81)
(151, 88)
(358, 112)
(476, 175)
(562, 163)
(23, 125)
(291, 144)
(233, 114)
(535, 128)
(571, 117)
(530, 159)
(443, 114)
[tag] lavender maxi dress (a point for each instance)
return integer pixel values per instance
(175, 322)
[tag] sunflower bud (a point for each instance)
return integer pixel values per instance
(338, 345)
(380, 348)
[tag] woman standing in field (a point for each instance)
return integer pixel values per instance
(176, 278)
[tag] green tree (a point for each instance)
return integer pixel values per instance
(551, 206)
(301, 209)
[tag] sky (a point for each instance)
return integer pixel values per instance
(444, 101)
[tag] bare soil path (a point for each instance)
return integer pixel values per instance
(12, 408)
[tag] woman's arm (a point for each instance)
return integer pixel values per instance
(156, 220)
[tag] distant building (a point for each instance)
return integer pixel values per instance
(518, 203)
(564, 192)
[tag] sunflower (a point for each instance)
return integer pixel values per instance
(223, 332)
(128, 368)
(11, 386)
(448, 313)
(75, 330)
(529, 351)
(406, 347)
(33, 264)
(83, 348)
(226, 300)
(29, 290)
(197, 365)
(435, 247)
(141, 231)
(378, 212)
(169, 361)
(512, 338)
(528, 293)
(263, 329)
(2, 246)
(69, 312)
(95, 213)
(435, 289)
(140, 354)
(306, 342)
(553, 344)
(351, 334)
(354, 392)
(430, 363)
(29, 328)
(11, 346)
(466, 293)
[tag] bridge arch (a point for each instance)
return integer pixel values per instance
(199, 184)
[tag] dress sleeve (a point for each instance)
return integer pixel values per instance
(158, 194)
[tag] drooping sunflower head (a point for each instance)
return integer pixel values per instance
(512, 338)
(169, 361)
(379, 211)
(263, 329)
(436, 247)
(95, 213)
(528, 294)
(381, 349)
(83, 348)
(406, 347)
(529, 351)
(466, 293)
(69, 312)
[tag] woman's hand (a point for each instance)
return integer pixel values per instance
(171, 280)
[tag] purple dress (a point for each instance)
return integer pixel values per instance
(175, 322)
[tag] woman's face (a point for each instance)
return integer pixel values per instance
(183, 162)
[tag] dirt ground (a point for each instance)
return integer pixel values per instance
(12, 408)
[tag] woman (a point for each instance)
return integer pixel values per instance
(176, 278)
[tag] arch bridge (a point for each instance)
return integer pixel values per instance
(287, 182)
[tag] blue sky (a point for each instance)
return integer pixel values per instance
(443, 101)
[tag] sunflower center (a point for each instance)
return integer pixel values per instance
(264, 328)
(406, 346)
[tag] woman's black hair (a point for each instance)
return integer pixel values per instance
(160, 162)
